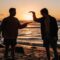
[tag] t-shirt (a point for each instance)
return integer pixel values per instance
(47, 27)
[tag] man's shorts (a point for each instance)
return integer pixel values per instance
(9, 42)
(50, 42)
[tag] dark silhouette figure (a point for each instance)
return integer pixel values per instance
(9, 27)
(49, 31)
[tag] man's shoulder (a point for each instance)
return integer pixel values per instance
(5, 19)
(15, 18)
(52, 18)
(10, 18)
(42, 19)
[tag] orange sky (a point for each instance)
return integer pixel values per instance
(24, 6)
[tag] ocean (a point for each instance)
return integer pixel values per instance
(31, 35)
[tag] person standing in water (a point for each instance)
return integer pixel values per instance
(9, 28)
(49, 31)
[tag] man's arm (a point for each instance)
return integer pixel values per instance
(19, 25)
(34, 16)
(23, 25)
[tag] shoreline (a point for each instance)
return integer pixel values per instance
(39, 52)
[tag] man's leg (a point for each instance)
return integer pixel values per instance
(48, 52)
(6, 51)
(46, 45)
(54, 46)
(13, 51)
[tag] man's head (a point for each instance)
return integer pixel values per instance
(44, 12)
(12, 11)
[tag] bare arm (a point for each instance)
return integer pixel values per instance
(23, 25)
(34, 16)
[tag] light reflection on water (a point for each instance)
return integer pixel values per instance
(32, 35)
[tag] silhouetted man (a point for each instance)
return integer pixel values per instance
(10, 26)
(49, 31)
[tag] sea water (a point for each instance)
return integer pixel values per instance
(32, 34)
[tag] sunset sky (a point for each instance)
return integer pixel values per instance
(24, 6)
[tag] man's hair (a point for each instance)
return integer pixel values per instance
(12, 10)
(44, 10)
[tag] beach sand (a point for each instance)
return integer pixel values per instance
(35, 53)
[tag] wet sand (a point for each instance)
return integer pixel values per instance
(35, 53)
